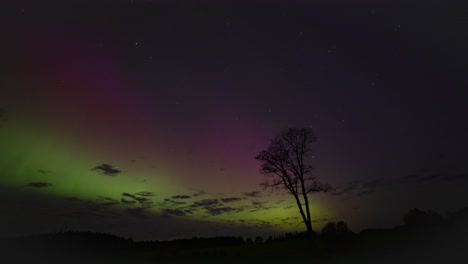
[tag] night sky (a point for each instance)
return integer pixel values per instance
(143, 118)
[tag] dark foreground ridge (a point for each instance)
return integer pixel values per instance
(426, 237)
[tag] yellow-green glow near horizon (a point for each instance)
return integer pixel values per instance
(31, 155)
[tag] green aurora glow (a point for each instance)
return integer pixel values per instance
(36, 156)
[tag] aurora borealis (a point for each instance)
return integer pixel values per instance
(143, 118)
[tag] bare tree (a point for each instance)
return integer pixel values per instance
(286, 163)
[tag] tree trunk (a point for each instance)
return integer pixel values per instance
(304, 218)
(306, 201)
(310, 232)
(307, 221)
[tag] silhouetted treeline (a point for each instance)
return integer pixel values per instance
(195, 242)
(423, 231)
(285, 237)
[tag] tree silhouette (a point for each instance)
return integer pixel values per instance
(338, 229)
(259, 240)
(342, 228)
(286, 163)
(329, 230)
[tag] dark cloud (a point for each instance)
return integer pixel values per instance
(140, 197)
(213, 206)
(107, 169)
(199, 193)
(102, 201)
(253, 194)
(123, 200)
(144, 201)
(172, 202)
(175, 212)
(350, 187)
(221, 210)
(230, 199)
(259, 206)
(129, 195)
(206, 202)
(181, 197)
(39, 184)
(146, 194)
(261, 223)
(370, 187)
(257, 203)
(365, 188)
(51, 213)
(435, 178)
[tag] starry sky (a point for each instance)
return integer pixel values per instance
(143, 118)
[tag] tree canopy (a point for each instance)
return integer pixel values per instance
(286, 162)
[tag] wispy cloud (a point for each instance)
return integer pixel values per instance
(230, 199)
(259, 206)
(221, 210)
(172, 202)
(365, 188)
(173, 212)
(144, 200)
(206, 202)
(106, 201)
(199, 193)
(107, 169)
(253, 194)
(350, 187)
(181, 197)
(146, 194)
(125, 201)
(129, 195)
